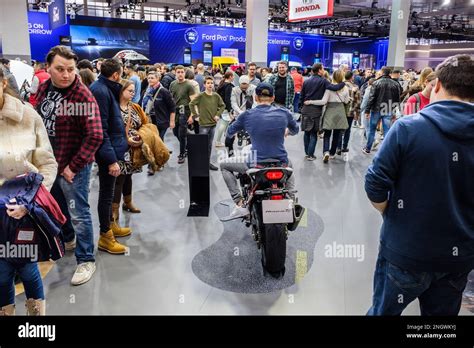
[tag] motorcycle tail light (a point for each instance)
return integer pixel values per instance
(276, 197)
(274, 174)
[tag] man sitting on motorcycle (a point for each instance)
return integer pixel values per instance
(267, 126)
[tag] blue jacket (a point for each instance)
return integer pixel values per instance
(425, 168)
(266, 126)
(44, 228)
(114, 146)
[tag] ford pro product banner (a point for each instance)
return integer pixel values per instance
(42, 37)
(94, 37)
(176, 36)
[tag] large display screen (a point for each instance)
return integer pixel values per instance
(91, 40)
(341, 58)
(367, 61)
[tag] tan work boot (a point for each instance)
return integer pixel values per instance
(115, 211)
(108, 243)
(7, 310)
(120, 231)
(128, 205)
(35, 307)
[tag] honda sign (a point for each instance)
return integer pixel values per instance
(299, 10)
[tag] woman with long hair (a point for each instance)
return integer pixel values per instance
(133, 117)
(24, 148)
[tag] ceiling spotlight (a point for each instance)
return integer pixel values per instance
(446, 2)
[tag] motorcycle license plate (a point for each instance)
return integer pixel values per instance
(277, 211)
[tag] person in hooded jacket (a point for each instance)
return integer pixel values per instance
(421, 181)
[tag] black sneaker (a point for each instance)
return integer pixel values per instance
(181, 159)
(212, 167)
(185, 153)
(338, 151)
(365, 150)
(345, 150)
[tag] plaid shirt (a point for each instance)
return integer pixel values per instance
(290, 89)
(78, 134)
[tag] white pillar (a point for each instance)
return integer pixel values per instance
(14, 29)
(398, 33)
(256, 45)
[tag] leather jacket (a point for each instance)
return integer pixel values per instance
(384, 96)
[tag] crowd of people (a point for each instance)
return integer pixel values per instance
(116, 115)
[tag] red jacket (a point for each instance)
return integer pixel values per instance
(298, 78)
(78, 136)
(42, 76)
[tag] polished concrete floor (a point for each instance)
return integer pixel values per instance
(157, 276)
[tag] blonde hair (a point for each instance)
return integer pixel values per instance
(338, 76)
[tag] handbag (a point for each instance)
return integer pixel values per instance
(347, 106)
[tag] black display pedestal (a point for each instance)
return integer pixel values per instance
(198, 171)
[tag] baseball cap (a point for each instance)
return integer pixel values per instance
(244, 79)
(264, 89)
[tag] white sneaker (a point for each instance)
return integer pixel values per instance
(83, 274)
(237, 212)
(219, 144)
(69, 246)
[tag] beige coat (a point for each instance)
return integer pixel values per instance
(24, 143)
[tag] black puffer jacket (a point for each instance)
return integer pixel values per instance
(384, 96)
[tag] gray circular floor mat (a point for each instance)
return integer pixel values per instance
(233, 263)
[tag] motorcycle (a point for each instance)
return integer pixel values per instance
(274, 211)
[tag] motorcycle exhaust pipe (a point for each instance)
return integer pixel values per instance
(298, 213)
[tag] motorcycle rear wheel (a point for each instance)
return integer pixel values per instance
(274, 249)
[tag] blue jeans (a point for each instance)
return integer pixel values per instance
(345, 135)
(77, 197)
(374, 120)
(395, 288)
(334, 142)
(310, 140)
(29, 275)
(296, 102)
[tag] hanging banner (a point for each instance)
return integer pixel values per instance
(57, 14)
(301, 10)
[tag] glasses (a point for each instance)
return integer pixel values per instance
(131, 92)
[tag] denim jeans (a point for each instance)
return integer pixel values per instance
(375, 117)
(395, 288)
(345, 135)
(77, 197)
(334, 143)
(310, 141)
(29, 275)
(180, 131)
(106, 195)
(221, 129)
(210, 131)
(296, 103)
(162, 132)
